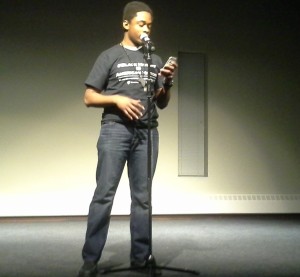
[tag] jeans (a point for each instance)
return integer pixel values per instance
(117, 145)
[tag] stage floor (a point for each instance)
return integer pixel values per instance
(213, 245)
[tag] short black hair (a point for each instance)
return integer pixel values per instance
(132, 8)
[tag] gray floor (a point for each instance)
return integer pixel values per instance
(213, 245)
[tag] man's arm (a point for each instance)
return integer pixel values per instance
(163, 94)
(162, 97)
(130, 107)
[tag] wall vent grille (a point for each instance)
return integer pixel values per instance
(255, 197)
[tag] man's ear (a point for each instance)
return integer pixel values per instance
(125, 24)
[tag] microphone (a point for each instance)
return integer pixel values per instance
(145, 38)
(147, 42)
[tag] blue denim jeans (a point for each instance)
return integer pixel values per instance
(117, 145)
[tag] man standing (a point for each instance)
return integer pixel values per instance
(118, 83)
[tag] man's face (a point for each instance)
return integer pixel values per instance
(140, 24)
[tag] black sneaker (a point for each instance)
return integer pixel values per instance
(138, 264)
(142, 266)
(88, 269)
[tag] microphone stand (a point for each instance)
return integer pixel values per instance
(150, 265)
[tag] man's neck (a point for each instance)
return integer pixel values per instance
(129, 45)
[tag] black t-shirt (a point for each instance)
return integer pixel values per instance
(121, 71)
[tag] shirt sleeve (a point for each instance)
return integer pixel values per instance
(159, 79)
(98, 76)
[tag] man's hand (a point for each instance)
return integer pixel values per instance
(133, 109)
(168, 70)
